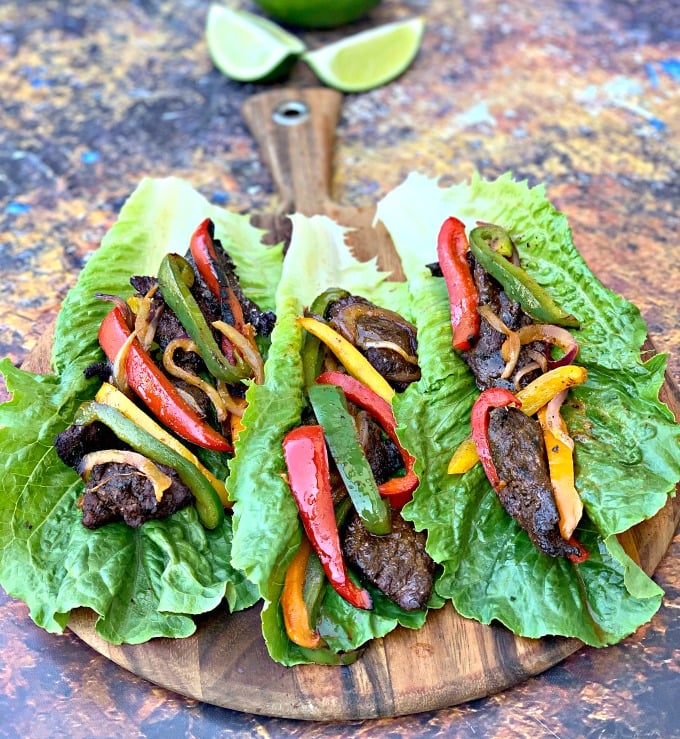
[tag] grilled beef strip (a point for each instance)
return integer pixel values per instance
(518, 453)
(484, 359)
(116, 491)
(365, 324)
(397, 563)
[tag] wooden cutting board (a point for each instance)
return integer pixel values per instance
(451, 659)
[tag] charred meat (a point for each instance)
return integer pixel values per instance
(518, 453)
(388, 341)
(397, 563)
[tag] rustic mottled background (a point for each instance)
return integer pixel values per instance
(582, 96)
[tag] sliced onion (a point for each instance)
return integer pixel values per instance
(146, 322)
(235, 406)
(188, 345)
(555, 422)
(511, 346)
(122, 306)
(556, 335)
(391, 346)
(249, 351)
(540, 359)
(160, 481)
(118, 373)
(524, 371)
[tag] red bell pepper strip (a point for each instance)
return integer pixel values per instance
(398, 490)
(304, 449)
(495, 397)
(155, 389)
(452, 247)
(202, 248)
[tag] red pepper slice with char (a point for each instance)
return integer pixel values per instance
(495, 397)
(452, 247)
(398, 490)
(304, 450)
(154, 388)
(202, 248)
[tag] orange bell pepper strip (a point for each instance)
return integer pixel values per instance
(293, 606)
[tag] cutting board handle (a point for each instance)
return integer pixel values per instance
(296, 133)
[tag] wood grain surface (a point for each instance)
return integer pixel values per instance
(451, 659)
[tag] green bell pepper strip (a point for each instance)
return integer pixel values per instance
(175, 277)
(330, 408)
(208, 504)
(311, 350)
(516, 282)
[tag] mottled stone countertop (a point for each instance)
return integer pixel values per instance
(582, 96)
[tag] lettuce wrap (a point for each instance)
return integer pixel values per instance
(627, 454)
(144, 582)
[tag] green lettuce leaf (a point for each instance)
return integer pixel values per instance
(143, 583)
(627, 453)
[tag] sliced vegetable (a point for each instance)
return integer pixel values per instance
(304, 450)
(553, 335)
(561, 466)
(330, 408)
(495, 397)
(398, 490)
(208, 504)
(311, 354)
(352, 359)
(532, 397)
(153, 387)
(109, 395)
(517, 283)
(452, 248)
(175, 277)
(293, 606)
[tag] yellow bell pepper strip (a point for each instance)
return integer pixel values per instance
(304, 449)
(175, 277)
(532, 397)
(452, 248)
(517, 282)
(311, 356)
(398, 490)
(109, 395)
(293, 606)
(352, 359)
(561, 466)
(494, 397)
(207, 501)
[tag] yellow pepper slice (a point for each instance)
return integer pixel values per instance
(295, 615)
(561, 466)
(533, 397)
(352, 359)
(111, 396)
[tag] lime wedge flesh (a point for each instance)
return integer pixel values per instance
(368, 59)
(247, 47)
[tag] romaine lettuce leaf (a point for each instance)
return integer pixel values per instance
(627, 452)
(143, 583)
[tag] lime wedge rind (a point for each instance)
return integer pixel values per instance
(247, 47)
(368, 59)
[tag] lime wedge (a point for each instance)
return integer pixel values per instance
(368, 59)
(247, 47)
